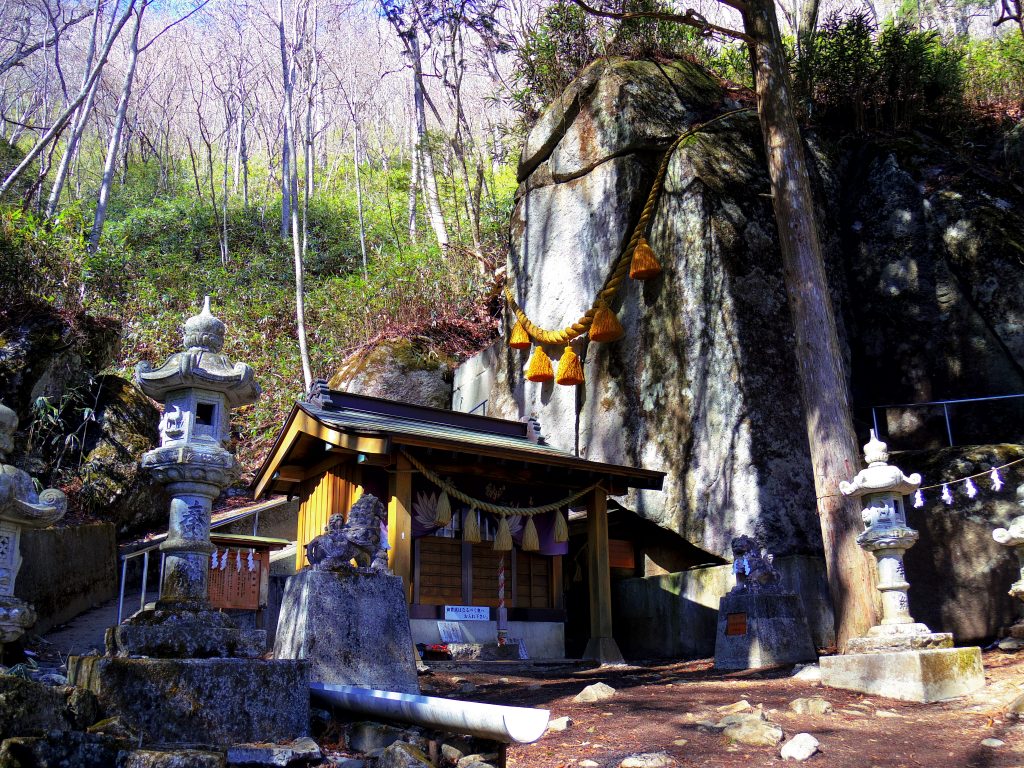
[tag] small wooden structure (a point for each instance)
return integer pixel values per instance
(234, 582)
(334, 446)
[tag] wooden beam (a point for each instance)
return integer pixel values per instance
(400, 523)
(602, 646)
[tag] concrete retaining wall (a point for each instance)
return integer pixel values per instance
(66, 571)
(675, 615)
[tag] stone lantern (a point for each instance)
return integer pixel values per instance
(881, 488)
(899, 658)
(182, 673)
(198, 387)
(20, 507)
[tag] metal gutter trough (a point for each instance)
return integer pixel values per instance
(488, 721)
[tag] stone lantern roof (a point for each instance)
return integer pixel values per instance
(200, 366)
(879, 476)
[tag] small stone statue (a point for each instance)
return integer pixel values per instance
(753, 567)
(20, 507)
(359, 539)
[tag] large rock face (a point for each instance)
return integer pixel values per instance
(924, 262)
(703, 386)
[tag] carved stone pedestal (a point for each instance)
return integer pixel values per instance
(352, 627)
(761, 629)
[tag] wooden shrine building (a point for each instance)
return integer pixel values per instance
(334, 446)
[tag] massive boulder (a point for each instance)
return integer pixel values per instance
(923, 255)
(114, 487)
(398, 369)
(704, 384)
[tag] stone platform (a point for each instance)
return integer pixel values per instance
(761, 629)
(352, 627)
(199, 701)
(920, 675)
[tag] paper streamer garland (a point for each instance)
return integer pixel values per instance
(970, 488)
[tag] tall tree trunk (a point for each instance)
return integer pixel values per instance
(428, 178)
(414, 181)
(823, 384)
(359, 193)
(290, 182)
(116, 131)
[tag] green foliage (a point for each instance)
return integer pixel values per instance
(39, 261)
(852, 77)
(566, 39)
(995, 70)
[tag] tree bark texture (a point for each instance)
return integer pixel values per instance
(823, 383)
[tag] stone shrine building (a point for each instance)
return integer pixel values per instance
(335, 445)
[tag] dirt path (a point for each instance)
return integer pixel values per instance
(658, 705)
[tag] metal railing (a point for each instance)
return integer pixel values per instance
(225, 518)
(945, 409)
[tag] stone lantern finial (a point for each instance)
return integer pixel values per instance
(204, 331)
(875, 451)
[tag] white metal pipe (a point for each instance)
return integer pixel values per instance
(488, 721)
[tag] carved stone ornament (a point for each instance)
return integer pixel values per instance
(360, 538)
(754, 569)
(20, 507)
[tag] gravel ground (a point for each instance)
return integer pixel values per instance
(657, 707)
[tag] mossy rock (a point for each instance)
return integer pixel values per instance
(113, 486)
(398, 369)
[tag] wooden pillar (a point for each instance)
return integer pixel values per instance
(601, 646)
(400, 523)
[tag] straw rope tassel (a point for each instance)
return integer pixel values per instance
(443, 512)
(606, 326)
(561, 533)
(519, 339)
(531, 542)
(471, 529)
(503, 538)
(644, 265)
(570, 371)
(539, 368)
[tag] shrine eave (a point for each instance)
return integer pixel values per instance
(376, 430)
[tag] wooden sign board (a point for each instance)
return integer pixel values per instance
(621, 554)
(735, 624)
(238, 589)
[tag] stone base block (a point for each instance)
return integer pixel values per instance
(195, 643)
(199, 701)
(352, 627)
(924, 676)
(761, 629)
(184, 632)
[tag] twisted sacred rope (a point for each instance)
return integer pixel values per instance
(484, 506)
(621, 266)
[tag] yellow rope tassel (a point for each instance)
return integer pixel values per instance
(443, 512)
(503, 538)
(606, 326)
(570, 370)
(531, 543)
(519, 339)
(561, 528)
(471, 529)
(644, 264)
(539, 367)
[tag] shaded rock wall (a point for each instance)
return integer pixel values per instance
(397, 369)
